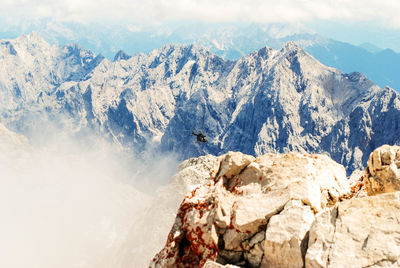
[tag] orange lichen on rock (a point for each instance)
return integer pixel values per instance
(189, 243)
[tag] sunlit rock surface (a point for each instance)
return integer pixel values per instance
(286, 210)
(233, 216)
(361, 232)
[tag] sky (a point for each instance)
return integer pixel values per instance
(382, 11)
(356, 21)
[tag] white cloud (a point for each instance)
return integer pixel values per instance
(385, 11)
(71, 202)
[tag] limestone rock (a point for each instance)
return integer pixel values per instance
(255, 209)
(233, 163)
(321, 238)
(252, 210)
(316, 180)
(286, 237)
(194, 172)
(286, 210)
(384, 170)
(162, 211)
(360, 232)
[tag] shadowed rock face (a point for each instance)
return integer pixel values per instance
(383, 170)
(270, 101)
(286, 210)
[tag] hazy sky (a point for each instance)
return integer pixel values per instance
(371, 17)
(383, 11)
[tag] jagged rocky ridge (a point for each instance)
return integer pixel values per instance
(226, 40)
(268, 101)
(32, 69)
(286, 210)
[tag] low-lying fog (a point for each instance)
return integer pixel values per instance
(75, 202)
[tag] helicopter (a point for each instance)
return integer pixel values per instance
(200, 136)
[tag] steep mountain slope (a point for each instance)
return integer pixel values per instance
(31, 70)
(286, 100)
(268, 101)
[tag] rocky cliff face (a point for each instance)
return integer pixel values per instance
(288, 210)
(268, 101)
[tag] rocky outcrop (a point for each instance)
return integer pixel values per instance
(160, 216)
(383, 174)
(361, 232)
(251, 211)
(288, 210)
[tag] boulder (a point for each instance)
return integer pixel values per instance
(286, 237)
(383, 170)
(233, 163)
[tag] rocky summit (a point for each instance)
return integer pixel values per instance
(286, 210)
(270, 101)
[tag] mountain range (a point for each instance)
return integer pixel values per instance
(267, 101)
(230, 41)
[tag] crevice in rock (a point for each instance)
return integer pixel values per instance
(365, 242)
(244, 168)
(216, 179)
(279, 210)
(261, 228)
(381, 263)
(241, 257)
(221, 242)
(230, 257)
(331, 199)
(304, 247)
(334, 217)
(183, 244)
